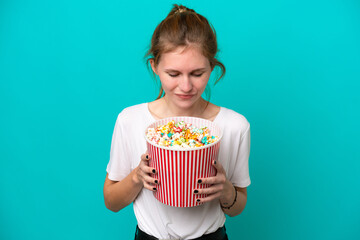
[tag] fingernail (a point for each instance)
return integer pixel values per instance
(196, 191)
(147, 156)
(214, 162)
(199, 181)
(156, 181)
(198, 200)
(154, 188)
(153, 170)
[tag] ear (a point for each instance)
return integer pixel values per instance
(153, 67)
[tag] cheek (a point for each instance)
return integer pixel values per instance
(201, 84)
(167, 82)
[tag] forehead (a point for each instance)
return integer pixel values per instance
(184, 58)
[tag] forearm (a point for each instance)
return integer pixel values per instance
(120, 194)
(239, 205)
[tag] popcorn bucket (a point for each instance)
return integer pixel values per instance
(179, 169)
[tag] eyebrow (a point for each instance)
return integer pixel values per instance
(174, 70)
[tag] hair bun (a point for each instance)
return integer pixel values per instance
(180, 9)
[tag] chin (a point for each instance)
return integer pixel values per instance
(185, 104)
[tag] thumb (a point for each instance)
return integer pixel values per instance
(218, 166)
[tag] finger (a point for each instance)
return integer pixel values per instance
(146, 169)
(149, 187)
(208, 198)
(150, 180)
(218, 179)
(210, 190)
(145, 157)
(218, 166)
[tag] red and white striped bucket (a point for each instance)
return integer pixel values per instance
(179, 169)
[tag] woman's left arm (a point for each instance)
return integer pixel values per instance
(232, 203)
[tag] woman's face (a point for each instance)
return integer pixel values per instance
(184, 74)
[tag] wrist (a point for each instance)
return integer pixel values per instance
(229, 200)
(135, 179)
(228, 194)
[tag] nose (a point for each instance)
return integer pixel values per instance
(185, 84)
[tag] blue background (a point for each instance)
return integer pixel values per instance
(67, 68)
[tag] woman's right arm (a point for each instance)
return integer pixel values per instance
(119, 194)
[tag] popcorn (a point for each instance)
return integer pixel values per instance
(180, 147)
(180, 135)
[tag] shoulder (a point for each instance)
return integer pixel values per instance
(234, 121)
(132, 114)
(133, 111)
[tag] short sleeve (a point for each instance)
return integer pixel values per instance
(241, 176)
(119, 165)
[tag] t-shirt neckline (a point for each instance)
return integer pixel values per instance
(146, 105)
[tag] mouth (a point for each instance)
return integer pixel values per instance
(184, 96)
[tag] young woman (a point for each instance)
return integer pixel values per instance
(182, 54)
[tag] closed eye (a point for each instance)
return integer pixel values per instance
(197, 74)
(173, 74)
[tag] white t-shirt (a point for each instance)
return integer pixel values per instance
(163, 221)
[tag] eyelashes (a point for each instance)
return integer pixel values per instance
(173, 75)
(198, 75)
(193, 74)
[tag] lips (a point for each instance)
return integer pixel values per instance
(184, 96)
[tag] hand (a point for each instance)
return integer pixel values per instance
(143, 172)
(221, 188)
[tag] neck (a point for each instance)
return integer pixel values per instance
(196, 110)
